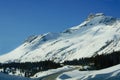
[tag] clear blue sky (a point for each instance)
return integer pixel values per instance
(22, 18)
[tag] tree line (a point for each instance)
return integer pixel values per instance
(29, 68)
(98, 61)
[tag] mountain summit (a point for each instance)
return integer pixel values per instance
(98, 34)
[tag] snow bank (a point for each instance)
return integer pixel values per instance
(51, 71)
(9, 77)
(112, 73)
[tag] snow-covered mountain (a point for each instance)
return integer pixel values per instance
(98, 34)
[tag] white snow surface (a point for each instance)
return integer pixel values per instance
(112, 73)
(9, 77)
(97, 35)
(51, 71)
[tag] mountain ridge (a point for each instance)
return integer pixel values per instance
(98, 34)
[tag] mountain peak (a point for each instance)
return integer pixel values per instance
(31, 38)
(100, 18)
(91, 16)
(93, 20)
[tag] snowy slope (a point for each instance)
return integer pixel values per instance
(112, 73)
(8, 77)
(96, 35)
(51, 71)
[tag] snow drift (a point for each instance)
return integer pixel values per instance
(9, 77)
(112, 73)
